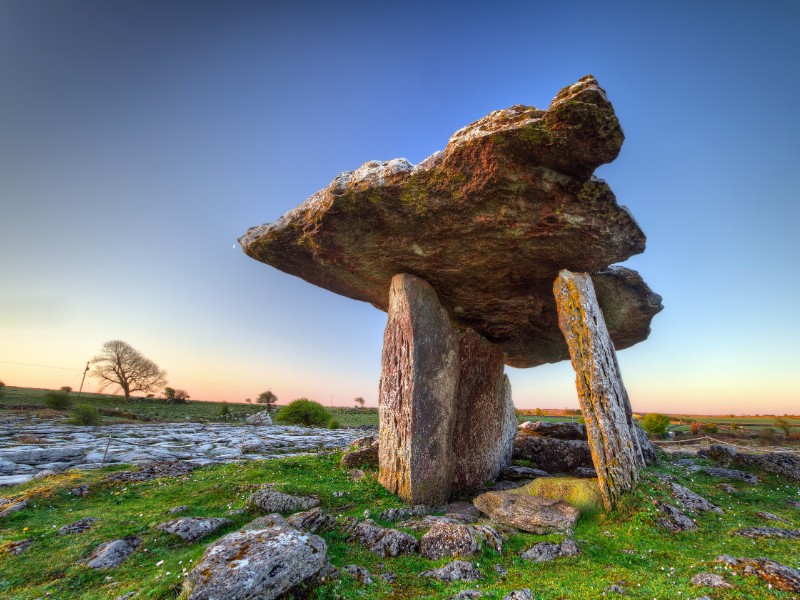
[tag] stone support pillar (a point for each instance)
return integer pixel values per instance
(613, 440)
(486, 424)
(447, 420)
(417, 397)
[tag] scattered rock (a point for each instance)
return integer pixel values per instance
(360, 574)
(266, 521)
(273, 501)
(112, 554)
(674, 520)
(355, 474)
(585, 473)
(260, 418)
(793, 503)
(44, 473)
(784, 464)
(501, 570)
(81, 491)
(467, 595)
(528, 513)
(448, 540)
(153, 470)
(178, 509)
(389, 577)
(382, 541)
(462, 511)
(553, 455)
(562, 430)
(523, 594)
(17, 547)
(9, 480)
(501, 486)
(583, 494)
(458, 570)
(191, 529)
(727, 487)
(515, 473)
(394, 514)
(78, 526)
(780, 576)
(770, 517)
(547, 551)
(692, 501)
(710, 580)
(616, 589)
(731, 474)
(769, 532)
(264, 563)
(311, 520)
(12, 506)
(362, 452)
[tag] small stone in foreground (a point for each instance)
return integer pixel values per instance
(18, 546)
(13, 506)
(769, 532)
(542, 552)
(780, 576)
(523, 594)
(710, 580)
(78, 526)
(265, 563)
(311, 520)
(448, 540)
(467, 595)
(358, 573)
(692, 501)
(112, 554)
(767, 516)
(458, 570)
(272, 501)
(674, 520)
(191, 529)
(731, 474)
(178, 509)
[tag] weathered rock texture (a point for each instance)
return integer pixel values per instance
(784, 464)
(488, 223)
(781, 576)
(485, 420)
(528, 513)
(447, 418)
(583, 494)
(417, 398)
(606, 409)
(551, 454)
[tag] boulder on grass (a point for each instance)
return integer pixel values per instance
(583, 494)
(260, 418)
(362, 452)
(534, 514)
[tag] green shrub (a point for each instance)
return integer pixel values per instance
(2, 389)
(655, 424)
(334, 424)
(304, 412)
(57, 400)
(84, 414)
(225, 411)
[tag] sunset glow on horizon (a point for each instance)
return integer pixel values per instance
(140, 140)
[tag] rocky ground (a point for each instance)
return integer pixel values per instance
(30, 446)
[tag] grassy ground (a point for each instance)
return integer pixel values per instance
(623, 548)
(32, 399)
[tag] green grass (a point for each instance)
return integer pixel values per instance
(159, 410)
(623, 547)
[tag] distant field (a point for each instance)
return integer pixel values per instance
(158, 410)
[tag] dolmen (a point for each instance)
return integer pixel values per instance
(498, 250)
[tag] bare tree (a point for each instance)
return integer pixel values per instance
(267, 398)
(360, 401)
(122, 365)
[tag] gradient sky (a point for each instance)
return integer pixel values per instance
(139, 139)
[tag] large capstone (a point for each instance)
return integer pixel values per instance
(488, 222)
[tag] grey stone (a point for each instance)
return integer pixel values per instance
(12, 506)
(585, 473)
(726, 487)
(311, 520)
(78, 526)
(358, 573)
(542, 552)
(448, 540)
(562, 430)
(691, 501)
(112, 554)
(44, 473)
(731, 474)
(362, 452)
(516, 472)
(34, 455)
(458, 570)
(553, 455)
(674, 520)
(7, 467)
(8, 480)
(19, 546)
(710, 580)
(785, 464)
(266, 521)
(191, 529)
(272, 501)
(523, 594)
(769, 532)
(264, 564)
(382, 541)
(467, 595)
(178, 509)
(260, 418)
(776, 574)
(767, 516)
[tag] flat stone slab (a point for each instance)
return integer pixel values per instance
(191, 529)
(488, 222)
(112, 554)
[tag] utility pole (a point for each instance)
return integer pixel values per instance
(86, 370)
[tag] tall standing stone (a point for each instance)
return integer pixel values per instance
(417, 398)
(486, 425)
(604, 401)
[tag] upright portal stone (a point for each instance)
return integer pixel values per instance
(486, 424)
(604, 401)
(417, 399)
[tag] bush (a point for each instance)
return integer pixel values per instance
(66, 389)
(57, 400)
(710, 427)
(655, 424)
(784, 425)
(173, 396)
(85, 414)
(695, 428)
(304, 412)
(2, 389)
(334, 424)
(225, 411)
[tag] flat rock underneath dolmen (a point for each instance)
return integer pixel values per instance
(583, 494)
(533, 514)
(551, 454)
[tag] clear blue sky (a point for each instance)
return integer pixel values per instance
(138, 140)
